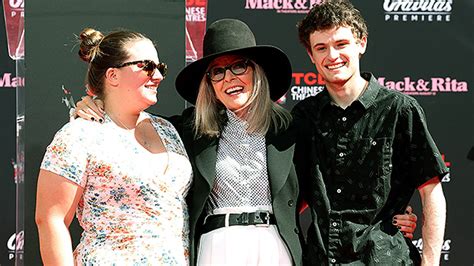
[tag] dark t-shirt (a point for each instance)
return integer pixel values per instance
(358, 167)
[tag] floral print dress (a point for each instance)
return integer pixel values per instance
(132, 211)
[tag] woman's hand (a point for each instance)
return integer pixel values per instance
(406, 223)
(90, 109)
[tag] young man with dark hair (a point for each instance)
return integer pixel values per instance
(370, 150)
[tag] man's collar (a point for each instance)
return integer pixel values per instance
(367, 98)
(325, 99)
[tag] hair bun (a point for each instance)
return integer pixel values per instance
(89, 43)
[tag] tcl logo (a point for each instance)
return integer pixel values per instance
(308, 79)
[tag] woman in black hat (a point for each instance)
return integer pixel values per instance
(243, 200)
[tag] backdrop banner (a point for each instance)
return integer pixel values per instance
(11, 48)
(424, 51)
(196, 13)
(14, 12)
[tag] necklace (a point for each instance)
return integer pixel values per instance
(145, 144)
(120, 122)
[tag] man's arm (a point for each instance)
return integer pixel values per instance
(434, 218)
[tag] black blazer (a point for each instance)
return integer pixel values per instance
(202, 153)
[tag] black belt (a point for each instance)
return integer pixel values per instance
(258, 218)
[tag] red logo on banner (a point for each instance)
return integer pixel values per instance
(283, 6)
(196, 13)
(15, 27)
(306, 85)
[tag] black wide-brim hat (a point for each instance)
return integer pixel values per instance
(232, 36)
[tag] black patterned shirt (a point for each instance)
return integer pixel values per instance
(358, 167)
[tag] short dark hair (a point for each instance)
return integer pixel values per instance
(330, 14)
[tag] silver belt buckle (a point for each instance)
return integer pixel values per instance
(267, 222)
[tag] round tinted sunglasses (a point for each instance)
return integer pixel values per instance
(149, 66)
(237, 68)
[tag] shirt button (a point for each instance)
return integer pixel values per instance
(297, 231)
(374, 143)
(333, 260)
(341, 154)
(334, 224)
(344, 118)
(339, 191)
(290, 203)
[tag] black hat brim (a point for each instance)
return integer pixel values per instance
(273, 60)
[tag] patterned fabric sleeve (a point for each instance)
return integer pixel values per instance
(67, 153)
(425, 159)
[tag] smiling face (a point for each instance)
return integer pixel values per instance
(234, 91)
(335, 53)
(135, 85)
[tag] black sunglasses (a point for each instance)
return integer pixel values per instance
(149, 66)
(237, 68)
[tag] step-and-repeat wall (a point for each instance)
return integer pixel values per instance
(422, 48)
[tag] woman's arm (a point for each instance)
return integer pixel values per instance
(56, 202)
(90, 109)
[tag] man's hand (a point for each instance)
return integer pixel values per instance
(406, 223)
(90, 109)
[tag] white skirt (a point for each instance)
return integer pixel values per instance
(243, 245)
